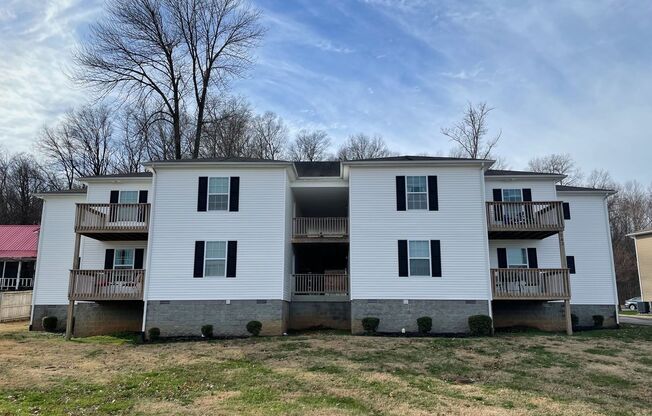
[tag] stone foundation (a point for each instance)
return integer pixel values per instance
(448, 316)
(94, 318)
(186, 317)
(548, 316)
(332, 315)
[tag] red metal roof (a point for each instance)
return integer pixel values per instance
(18, 241)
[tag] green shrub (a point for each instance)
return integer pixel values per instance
(207, 331)
(480, 325)
(49, 323)
(575, 320)
(598, 320)
(370, 324)
(154, 334)
(254, 327)
(425, 324)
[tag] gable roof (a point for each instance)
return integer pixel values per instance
(18, 241)
(407, 158)
(505, 172)
(317, 169)
(119, 175)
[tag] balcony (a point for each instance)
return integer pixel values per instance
(320, 229)
(15, 283)
(530, 284)
(524, 220)
(103, 285)
(108, 222)
(321, 285)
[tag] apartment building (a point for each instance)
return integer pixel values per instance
(323, 244)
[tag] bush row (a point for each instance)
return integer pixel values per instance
(253, 327)
(479, 325)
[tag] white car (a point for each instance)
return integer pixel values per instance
(632, 304)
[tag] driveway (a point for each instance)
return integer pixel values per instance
(635, 320)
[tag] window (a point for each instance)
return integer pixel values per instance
(417, 192)
(218, 194)
(517, 258)
(215, 259)
(123, 258)
(512, 195)
(419, 256)
(128, 197)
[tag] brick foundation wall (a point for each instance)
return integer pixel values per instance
(448, 316)
(548, 316)
(186, 317)
(333, 315)
(94, 318)
(41, 311)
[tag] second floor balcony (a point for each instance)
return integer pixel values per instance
(530, 284)
(113, 221)
(524, 220)
(320, 229)
(105, 285)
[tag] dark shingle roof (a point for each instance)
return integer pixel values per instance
(219, 159)
(317, 169)
(411, 158)
(64, 191)
(499, 172)
(566, 188)
(121, 175)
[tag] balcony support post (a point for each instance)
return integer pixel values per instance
(71, 304)
(568, 316)
(564, 265)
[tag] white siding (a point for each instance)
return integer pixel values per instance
(56, 249)
(289, 253)
(100, 192)
(547, 251)
(259, 229)
(376, 226)
(587, 238)
(93, 251)
(542, 190)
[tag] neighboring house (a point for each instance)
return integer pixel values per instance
(323, 244)
(643, 241)
(18, 248)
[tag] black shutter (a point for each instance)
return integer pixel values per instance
(139, 255)
(498, 195)
(108, 258)
(566, 207)
(433, 198)
(400, 193)
(403, 258)
(115, 197)
(527, 195)
(502, 258)
(199, 259)
(570, 262)
(234, 194)
(435, 257)
(532, 258)
(142, 197)
(231, 258)
(202, 195)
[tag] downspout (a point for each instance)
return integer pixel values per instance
(611, 259)
(486, 239)
(150, 239)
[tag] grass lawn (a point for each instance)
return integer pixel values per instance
(590, 373)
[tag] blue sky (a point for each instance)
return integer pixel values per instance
(565, 77)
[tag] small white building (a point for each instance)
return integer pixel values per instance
(324, 244)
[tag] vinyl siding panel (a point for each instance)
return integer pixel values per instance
(376, 226)
(93, 251)
(258, 227)
(289, 254)
(547, 251)
(587, 238)
(542, 190)
(100, 192)
(56, 250)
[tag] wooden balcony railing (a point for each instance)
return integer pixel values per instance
(525, 216)
(14, 283)
(118, 284)
(111, 218)
(320, 227)
(321, 284)
(535, 284)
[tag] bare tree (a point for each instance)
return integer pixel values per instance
(228, 128)
(310, 146)
(131, 151)
(24, 180)
(600, 179)
(562, 164)
(470, 134)
(156, 53)
(269, 136)
(360, 146)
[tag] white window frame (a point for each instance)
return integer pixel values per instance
(407, 193)
(209, 193)
(520, 192)
(527, 260)
(226, 256)
(120, 193)
(429, 258)
(133, 259)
